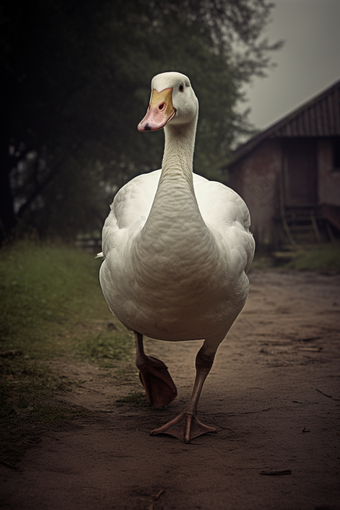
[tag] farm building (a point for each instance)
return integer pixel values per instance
(289, 175)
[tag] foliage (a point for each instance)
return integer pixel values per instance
(77, 82)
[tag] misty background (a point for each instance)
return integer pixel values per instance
(77, 82)
(307, 64)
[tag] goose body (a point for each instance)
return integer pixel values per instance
(177, 248)
(182, 277)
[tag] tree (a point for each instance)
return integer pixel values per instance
(77, 83)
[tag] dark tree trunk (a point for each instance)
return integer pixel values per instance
(7, 217)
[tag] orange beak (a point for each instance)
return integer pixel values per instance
(160, 111)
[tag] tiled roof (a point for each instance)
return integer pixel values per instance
(320, 116)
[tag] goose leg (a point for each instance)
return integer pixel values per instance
(153, 373)
(186, 426)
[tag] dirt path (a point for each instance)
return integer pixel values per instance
(273, 394)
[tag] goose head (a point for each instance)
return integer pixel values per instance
(172, 101)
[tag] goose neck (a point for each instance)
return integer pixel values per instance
(178, 153)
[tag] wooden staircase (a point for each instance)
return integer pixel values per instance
(304, 225)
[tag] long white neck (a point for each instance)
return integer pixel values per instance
(175, 244)
(178, 155)
(175, 201)
(175, 230)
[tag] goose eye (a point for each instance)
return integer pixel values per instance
(181, 88)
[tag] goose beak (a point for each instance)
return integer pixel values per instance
(160, 111)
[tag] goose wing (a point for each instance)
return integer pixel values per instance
(129, 210)
(227, 215)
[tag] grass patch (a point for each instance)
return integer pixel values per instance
(262, 262)
(309, 258)
(51, 303)
(51, 306)
(134, 399)
(326, 258)
(107, 346)
(25, 410)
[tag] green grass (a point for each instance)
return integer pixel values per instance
(325, 258)
(25, 406)
(134, 399)
(51, 306)
(262, 262)
(106, 346)
(310, 258)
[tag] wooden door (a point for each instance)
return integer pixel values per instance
(300, 172)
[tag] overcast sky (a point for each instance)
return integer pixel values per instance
(308, 63)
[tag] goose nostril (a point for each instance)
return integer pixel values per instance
(161, 106)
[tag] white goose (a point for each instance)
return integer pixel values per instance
(177, 248)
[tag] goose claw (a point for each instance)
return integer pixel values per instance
(185, 427)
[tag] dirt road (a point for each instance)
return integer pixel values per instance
(273, 395)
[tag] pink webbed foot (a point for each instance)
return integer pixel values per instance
(185, 427)
(158, 384)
